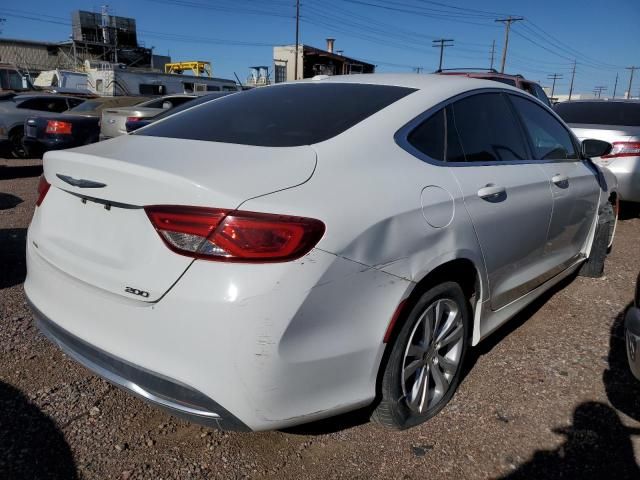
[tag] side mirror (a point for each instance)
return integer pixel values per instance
(595, 148)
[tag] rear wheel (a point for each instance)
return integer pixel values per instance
(425, 363)
(16, 144)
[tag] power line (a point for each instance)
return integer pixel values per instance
(493, 52)
(442, 43)
(507, 22)
(554, 77)
(598, 90)
(573, 76)
(633, 69)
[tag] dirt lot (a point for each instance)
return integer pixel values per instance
(549, 396)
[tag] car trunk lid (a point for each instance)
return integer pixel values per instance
(92, 224)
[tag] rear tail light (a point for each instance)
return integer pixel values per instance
(43, 188)
(624, 149)
(58, 127)
(234, 236)
(133, 119)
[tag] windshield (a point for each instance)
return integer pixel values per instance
(280, 116)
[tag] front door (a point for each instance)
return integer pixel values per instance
(506, 195)
(573, 183)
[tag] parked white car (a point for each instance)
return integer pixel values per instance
(306, 249)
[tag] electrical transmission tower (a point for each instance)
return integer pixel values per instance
(507, 22)
(441, 44)
(554, 77)
(597, 91)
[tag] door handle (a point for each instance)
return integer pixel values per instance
(559, 179)
(491, 191)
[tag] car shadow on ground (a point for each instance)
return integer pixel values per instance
(13, 265)
(23, 171)
(597, 445)
(31, 445)
(9, 201)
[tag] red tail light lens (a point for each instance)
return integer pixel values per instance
(133, 119)
(624, 149)
(235, 236)
(58, 127)
(43, 188)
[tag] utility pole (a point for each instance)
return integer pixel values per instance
(295, 74)
(441, 44)
(493, 52)
(633, 69)
(615, 86)
(418, 69)
(598, 90)
(573, 75)
(554, 77)
(507, 21)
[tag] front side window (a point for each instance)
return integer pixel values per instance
(549, 139)
(487, 130)
(279, 116)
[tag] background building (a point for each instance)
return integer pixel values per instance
(95, 36)
(314, 61)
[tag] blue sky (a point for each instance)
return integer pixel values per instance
(396, 35)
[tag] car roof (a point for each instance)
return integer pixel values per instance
(28, 96)
(416, 81)
(602, 100)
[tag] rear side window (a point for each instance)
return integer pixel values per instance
(280, 116)
(45, 104)
(549, 139)
(429, 136)
(600, 113)
(487, 129)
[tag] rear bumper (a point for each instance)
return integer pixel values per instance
(46, 144)
(627, 171)
(171, 395)
(632, 339)
(275, 345)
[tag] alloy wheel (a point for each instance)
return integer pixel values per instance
(432, 355)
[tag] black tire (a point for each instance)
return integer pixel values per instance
(16, 144)
(594, 266)
(393, 409)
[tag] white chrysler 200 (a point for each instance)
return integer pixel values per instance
(292, 252)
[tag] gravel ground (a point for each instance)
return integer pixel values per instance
(548, 396)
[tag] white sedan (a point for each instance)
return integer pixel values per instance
(293, 252)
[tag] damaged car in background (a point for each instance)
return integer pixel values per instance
(342, 246)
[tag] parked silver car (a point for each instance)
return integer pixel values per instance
(114, 120)
(15, 109)
(616, 122)
(632, 333)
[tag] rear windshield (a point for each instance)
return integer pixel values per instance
(87, 106)
(280, 116)
(600, 113)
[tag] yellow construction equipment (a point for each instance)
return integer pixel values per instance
(199, 69)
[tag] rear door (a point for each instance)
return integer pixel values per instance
(573, 182)
(506, 195)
